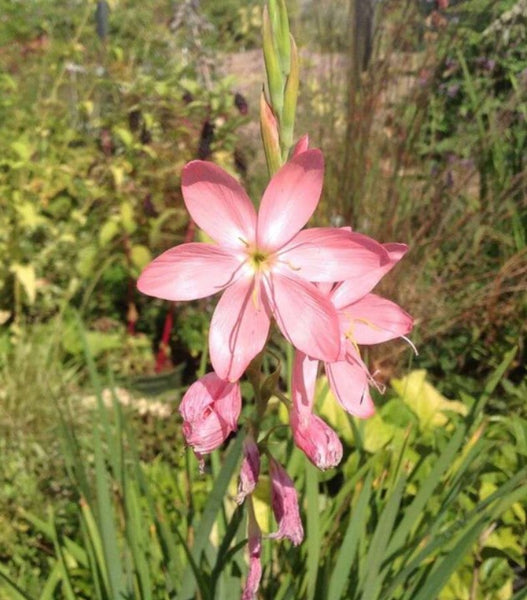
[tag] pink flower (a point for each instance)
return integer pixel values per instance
(310, 433)
(263, 263)
(210, 409)
(250, 469)
(301, 146)
(284, 501)
(254, 545)
(364, 318)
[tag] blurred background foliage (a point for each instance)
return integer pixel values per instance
(420, 108)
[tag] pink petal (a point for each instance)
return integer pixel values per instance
(310, 433)
(349, 384)
(396, 251)
(218, 204)
(372, 320)
(305, 317)
(303, 382)
(284, 501)
(189, 271)
(301, 146)
(254, 546)
(331, 254)
(350, 291)
(210, 409)
(317, 440)
(238, 329)
(249, 470)
(290, 199)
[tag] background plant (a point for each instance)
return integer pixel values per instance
(429, 149)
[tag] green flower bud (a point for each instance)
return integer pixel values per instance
(275, 78)
(270, 136)
(287, 123)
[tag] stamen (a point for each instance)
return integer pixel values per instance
(380, 387)
(367, 322)
(411, 344)
(351, 338)
(292, 266)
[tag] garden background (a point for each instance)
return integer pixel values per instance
(420, 108)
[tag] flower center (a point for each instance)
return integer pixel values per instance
(259, 260)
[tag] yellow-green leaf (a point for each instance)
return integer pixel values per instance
(25, 275)
(127, 216)
(262, 503)
(428, 404)
(86, 261)
(118, 176)
(377, 433)
(23, 148)
(108, 231)
(29, 215)
(125, 135)
(140, 256)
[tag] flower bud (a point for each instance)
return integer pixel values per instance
(301, 146)
(210, 409)
(287, 122)
(284, 501)
(275, 78)
(280, 26)
(254, 545)
(270, 137)
(316, 439)
(311, 434)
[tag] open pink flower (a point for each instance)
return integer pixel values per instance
(284, 502)
(210, 409)
(310, 433)
(263, 263)
(364, 319)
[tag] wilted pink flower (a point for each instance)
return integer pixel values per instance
(263, 263)
(254, 545)
(365, 319)
(310, 433)
(210, 409)
(250, 469)
(284, 501)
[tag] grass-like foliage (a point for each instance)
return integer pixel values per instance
(437, 509)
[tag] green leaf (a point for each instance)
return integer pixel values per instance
(214, 504)
(108, 532)
(14, 590)
(313, 528)
(440, 574)
(65, 572)
(377, 550)
(348, 549)
(414, 512)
